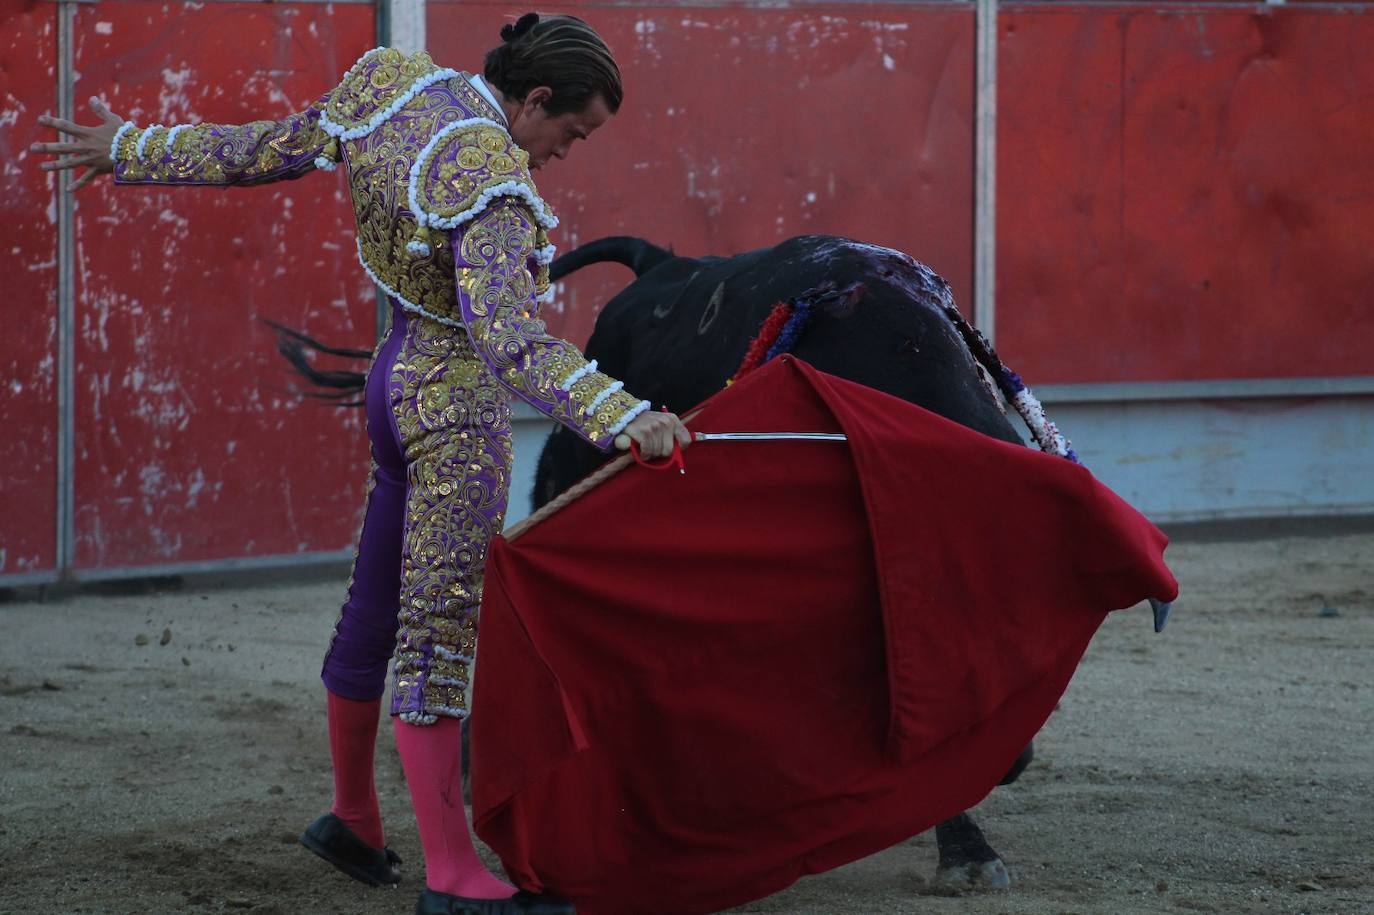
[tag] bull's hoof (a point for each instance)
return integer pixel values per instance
(973, 876)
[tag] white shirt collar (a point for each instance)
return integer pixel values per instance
(485, 91)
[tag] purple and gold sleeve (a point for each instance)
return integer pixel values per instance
(221, 154)
(496, 296)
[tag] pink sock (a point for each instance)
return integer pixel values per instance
(352, 740)
(432, 756)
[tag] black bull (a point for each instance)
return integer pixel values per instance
(678, 332)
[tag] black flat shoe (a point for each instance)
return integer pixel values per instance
(329, 838)
(433, 902)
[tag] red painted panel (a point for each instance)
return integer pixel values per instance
(1185, 196)
(745, 126)
(189, 445)
(28, 255)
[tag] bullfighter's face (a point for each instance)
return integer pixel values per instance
(546, 136)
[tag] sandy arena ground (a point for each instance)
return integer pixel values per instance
(160, 750)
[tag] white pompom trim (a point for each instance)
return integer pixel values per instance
(419, 718)
(601, 398)
(325, 164)
(505, 189)
(119, 135)
(449, 711)
(172, 134)
(418, 248)
(544, 297)
(357, 64)
(399, 102)
(326, 124)
(405, 303)
(567, 383)
(545, 254)
(142, 147)
(627, 417)
(448, 655)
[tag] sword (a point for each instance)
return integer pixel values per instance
(624, 443)
(768, 436)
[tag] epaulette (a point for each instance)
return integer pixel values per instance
(461, 170)
(376, 87)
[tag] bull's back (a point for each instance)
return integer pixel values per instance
(679, 332)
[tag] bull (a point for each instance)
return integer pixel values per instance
(680, 331)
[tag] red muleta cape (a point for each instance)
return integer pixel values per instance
(694, 689)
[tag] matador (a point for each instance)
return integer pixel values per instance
(451, 226)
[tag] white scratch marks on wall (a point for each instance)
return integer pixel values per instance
(172, 96)
(645, 30)
(881, 26)
(150, 485)
(703, 183)
(194, 486)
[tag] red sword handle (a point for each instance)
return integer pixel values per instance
(672, 460)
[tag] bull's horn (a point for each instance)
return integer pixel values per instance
(1161, 609)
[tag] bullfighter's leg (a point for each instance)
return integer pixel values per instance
(454, 426)
(350, 836)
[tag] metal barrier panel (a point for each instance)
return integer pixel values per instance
(28, 264)
(746, 125)
(1184, 193)
(190, 446)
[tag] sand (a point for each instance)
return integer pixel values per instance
(162, 745)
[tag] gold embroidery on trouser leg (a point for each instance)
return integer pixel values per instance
(454, 424)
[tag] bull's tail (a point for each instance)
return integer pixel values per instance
(344, 388)
(639, 255)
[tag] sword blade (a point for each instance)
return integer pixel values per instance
(768, 436)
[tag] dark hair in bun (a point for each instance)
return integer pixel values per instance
(561, 52)
(513, 30)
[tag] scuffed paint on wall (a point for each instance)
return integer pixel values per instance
(191, 443)
(28, 273)
(1185, 196)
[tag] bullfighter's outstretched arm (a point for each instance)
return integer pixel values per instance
(497, 299)
(221, 154)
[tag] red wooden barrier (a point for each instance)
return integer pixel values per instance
(1185, 195)
(28, 253)
(189, 446)
(745, 126)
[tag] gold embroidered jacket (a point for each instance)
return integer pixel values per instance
(450, 223)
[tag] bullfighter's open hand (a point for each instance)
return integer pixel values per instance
(84, 146)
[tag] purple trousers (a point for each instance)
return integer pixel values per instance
(439, 428)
